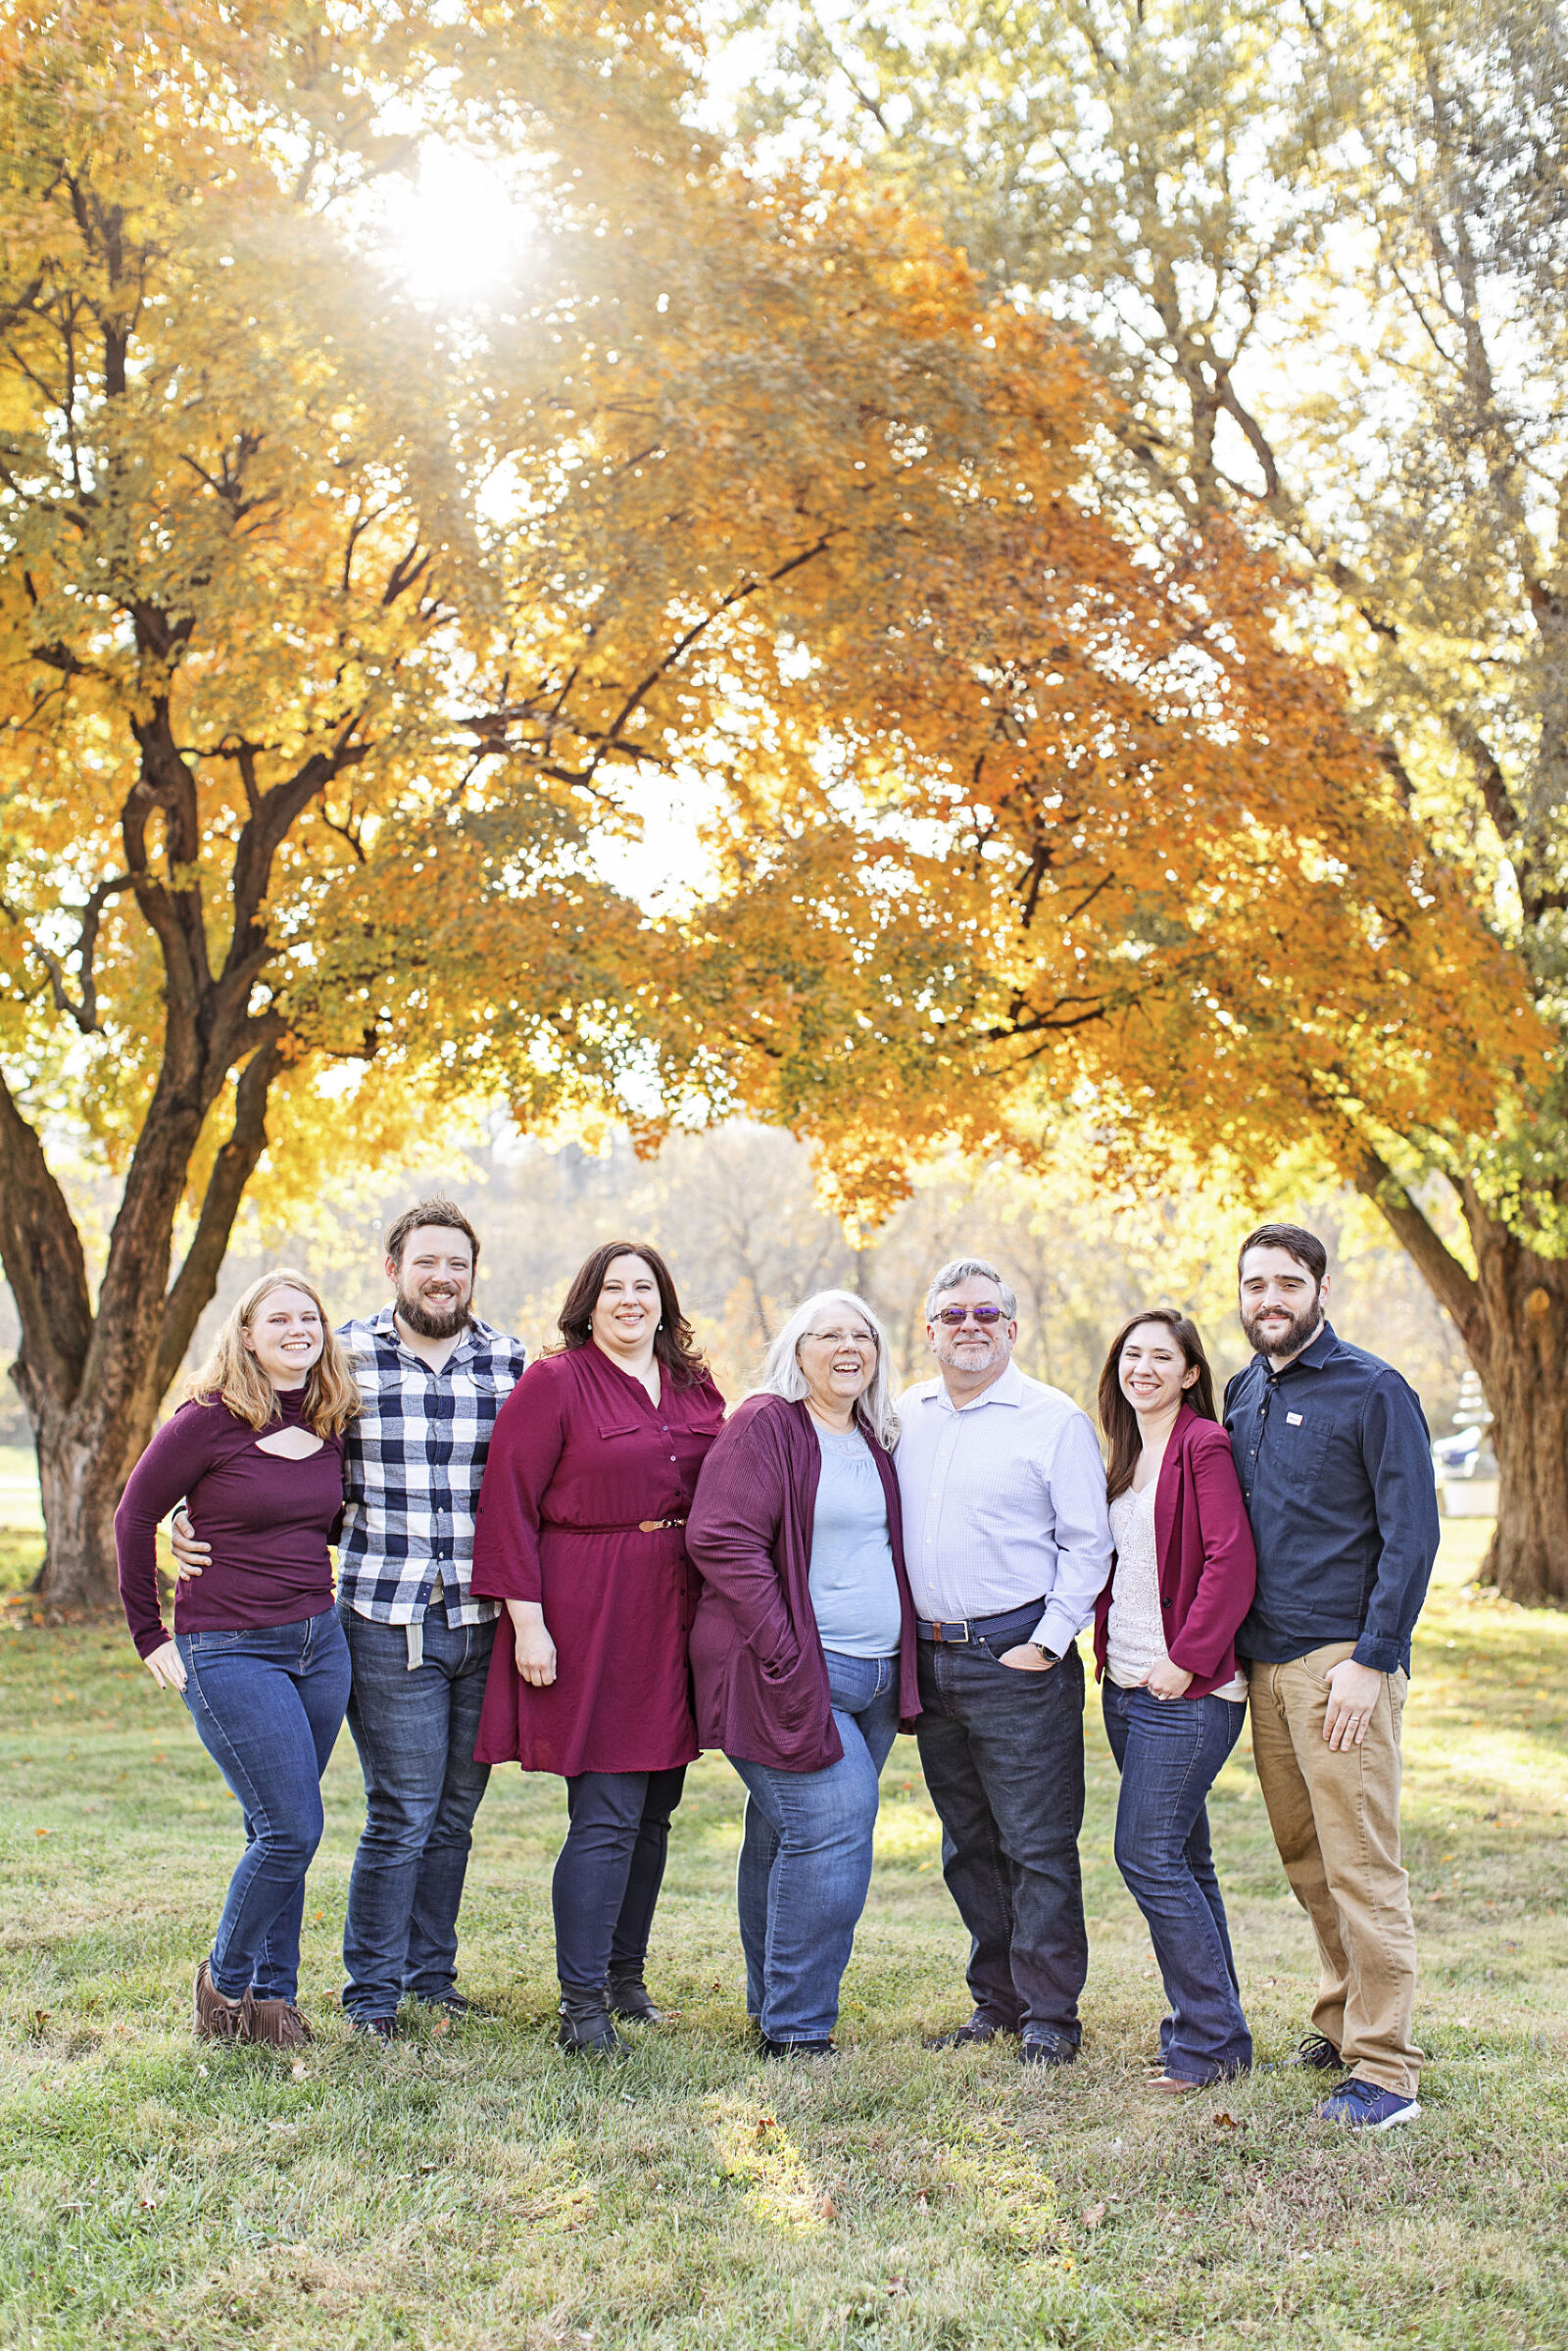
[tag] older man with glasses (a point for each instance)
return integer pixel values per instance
(1008, 1545)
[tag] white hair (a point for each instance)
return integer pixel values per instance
(782, 1374)
(970, 1269)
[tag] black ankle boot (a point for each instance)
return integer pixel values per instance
(630, 1998)
(586, 2029)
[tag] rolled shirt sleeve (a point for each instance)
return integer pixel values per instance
(1396, 1451)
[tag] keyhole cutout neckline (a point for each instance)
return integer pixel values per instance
(290, 1444)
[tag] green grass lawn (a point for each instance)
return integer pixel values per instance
(470, 2189)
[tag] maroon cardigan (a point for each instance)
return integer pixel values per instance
(757, 1658)
(1203, 1546)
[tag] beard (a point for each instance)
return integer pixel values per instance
(1284, 1340)
(433, 1321)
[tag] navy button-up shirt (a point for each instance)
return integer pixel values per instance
(1335, 1461)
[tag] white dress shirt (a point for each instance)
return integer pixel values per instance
(1003, 1502)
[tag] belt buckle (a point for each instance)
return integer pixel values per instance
(955, 1637)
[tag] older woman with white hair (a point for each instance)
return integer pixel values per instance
(803, 1650)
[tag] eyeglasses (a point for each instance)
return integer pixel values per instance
(953, 1315)
(844, 1338)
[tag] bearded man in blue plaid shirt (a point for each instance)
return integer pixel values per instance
(432, 1378)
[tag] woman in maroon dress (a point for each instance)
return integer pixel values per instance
(581, 1531)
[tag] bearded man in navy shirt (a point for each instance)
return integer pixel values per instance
(1334, 1461)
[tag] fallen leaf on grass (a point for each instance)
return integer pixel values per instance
(922, 2202)
(1091, 2215)
(1226, 2122)
(828, 2209)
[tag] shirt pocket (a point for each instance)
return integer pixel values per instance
(1298, 1446)
(614, 1430)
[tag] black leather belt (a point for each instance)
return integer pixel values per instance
(955, 1631)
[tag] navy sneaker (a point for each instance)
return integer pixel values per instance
(786, 2049)
(1319, 2054)
(1367, 2107)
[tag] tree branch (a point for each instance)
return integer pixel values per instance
(1454, 1289)
(192, 1287)
(41, 1251)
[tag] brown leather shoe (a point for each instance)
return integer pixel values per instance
(1169, 2087)
(212, 2017)
(274, 2024)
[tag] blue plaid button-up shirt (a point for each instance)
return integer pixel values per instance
(412, 1465)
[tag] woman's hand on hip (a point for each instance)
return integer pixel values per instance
(1026, 1659)
(1166, 1681)
(533, 1646)
(166, 1667)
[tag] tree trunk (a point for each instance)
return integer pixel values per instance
(1522, 1361)
(92, 1380)
(81, 1471)
(1512, 1314)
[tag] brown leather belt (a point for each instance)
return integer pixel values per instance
(641, 1526)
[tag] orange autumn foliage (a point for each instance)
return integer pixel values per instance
(334, 640)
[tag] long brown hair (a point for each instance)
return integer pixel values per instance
(1116, 1415)
(233, 1377)
(674, 1342)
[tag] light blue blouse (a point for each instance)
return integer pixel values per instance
(854, 1589)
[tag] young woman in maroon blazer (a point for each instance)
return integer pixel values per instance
(1165, 1625)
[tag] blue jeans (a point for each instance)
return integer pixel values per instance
(416, 1732)
(268, 1705)
(610, 1870)
(1169, 1752)
(805, 1857)
(1002, 1752)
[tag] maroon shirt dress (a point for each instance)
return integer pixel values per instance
(580, 1456)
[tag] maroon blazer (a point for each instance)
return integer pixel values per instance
(1203, 1546)
(757, 1658)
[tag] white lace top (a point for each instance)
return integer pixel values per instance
(1134, 1632)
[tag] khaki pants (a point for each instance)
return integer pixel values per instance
(1335, 1820)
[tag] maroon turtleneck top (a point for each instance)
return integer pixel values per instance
(271, 1523)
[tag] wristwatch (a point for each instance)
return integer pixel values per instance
(1051, 1656)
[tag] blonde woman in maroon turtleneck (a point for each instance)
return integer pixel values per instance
(256, 1454)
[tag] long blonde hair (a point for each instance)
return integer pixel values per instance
(233, 1377)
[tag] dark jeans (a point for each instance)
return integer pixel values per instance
(1002, 1751)
(268, 1705)
(610, 1870)
(416, 1732)
(1168, 1753)
(805, 1857)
